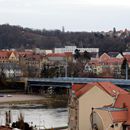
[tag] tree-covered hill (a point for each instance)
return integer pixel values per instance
(25, 38)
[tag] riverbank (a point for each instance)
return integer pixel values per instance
(19, 99)
(57, 128)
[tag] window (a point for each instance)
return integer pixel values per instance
(116, 124)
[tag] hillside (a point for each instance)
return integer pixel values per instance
(25, 38)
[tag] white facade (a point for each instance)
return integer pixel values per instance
(48, 51)
(72, 49)
(40, 51)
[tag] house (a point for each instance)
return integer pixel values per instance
(94, 67)
(104, 56)
(115, 54)
(13, 57)
(10, 70)
(31, 63)
(105, 66)
(62, 58)
(108, 118)
(114, 117)
(84, 97)
(8, 56)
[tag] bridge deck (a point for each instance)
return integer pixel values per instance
(67, 81)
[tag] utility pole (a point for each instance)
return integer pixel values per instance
(126, 69)
(66, 65)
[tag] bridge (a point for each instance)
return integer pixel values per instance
(66, 82)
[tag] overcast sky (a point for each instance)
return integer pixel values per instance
(74, 15)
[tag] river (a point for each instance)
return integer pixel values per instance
(41, 117)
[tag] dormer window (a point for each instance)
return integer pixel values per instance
(114, 91)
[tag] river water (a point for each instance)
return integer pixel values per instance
(41, 117)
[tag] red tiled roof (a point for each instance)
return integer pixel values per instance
(4, 54)
(115, 60)
(30, 55)
(77, 87)
(111, 89)
(56, 55)
(98, 61)
(85, 89)
(66, 54)
(104, 56)
(5, 128)
(119, 116)
(22, 53)
(123, 100)
(108, 87)
(127, 57)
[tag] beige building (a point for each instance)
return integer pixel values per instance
(85, 97)
(113, 117)
(13, 57)
(108, 118)
(105, 66)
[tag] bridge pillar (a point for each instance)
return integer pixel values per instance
(26, 85)
(28, 89)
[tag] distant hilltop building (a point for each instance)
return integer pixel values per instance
(72, 49)
(114, 33)
(63, 29)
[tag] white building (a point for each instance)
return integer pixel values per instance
(72, 49)
(40, 51)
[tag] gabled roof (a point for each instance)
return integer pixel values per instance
(85, 89)
(77, 87)
(113, 54)
(108, 87)
(111, 89)
(104, 56)
(123, 100)
(6, 54)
